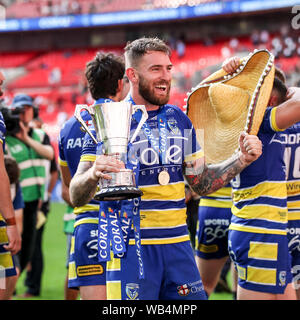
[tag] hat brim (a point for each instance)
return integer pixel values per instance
(220, 140)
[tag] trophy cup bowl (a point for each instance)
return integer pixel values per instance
(112, 122)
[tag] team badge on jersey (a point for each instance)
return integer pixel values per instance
(132, 291)
(282, 278)
(172, 124)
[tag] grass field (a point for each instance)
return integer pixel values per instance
(54, 248)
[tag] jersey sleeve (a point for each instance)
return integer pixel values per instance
(269, 124)
(18, 202)
(89, 148)
(61, 155)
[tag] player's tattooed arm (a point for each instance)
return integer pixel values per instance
(83, 186)
(205, 179)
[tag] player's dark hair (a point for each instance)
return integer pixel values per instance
(12, 169)
(281, 88)
(103, 73)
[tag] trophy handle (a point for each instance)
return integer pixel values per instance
(142, 121)
(77, 115)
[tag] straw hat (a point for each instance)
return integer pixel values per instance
(224, 105)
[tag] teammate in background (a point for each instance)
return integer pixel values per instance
(192, 204)
(258, 241)
(13, 173)
(291, 159)
(170, 268)
(105, 81)
(214, 217)
(69, 220)
(10, 240)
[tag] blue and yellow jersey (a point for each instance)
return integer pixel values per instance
(70, 142)
(2, 130)
(162, 208)
(291, 137)
(259, 191)
(218, 199)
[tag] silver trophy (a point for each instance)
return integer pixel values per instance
(112, 122)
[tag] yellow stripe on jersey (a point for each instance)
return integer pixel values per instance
(263, 250)
(1, 217)
(3, 235)
(162, 240)
(294, 215)
(207, 248)
(85, 208)
(259, 211)
(172, 191)
(86, 220)
(163, 218)
(62, 163)
(194, 156)
(293, 188)
(243, 228)
(1, 141)
(113, 289)
(273, 120)
(264, 276)
(88, 157)
(114, 264)
(223, 192)
(215, 203)
(6, 260)
(264, 189)
(293, 204)
(72, 246)
(72, 271)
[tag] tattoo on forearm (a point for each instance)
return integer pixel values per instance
(210, 178)
(82, 190)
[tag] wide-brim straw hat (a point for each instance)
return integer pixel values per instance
(223, 105)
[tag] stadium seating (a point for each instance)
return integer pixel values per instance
(64, 69)
(62, 7)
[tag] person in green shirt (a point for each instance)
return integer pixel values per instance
(29, 148)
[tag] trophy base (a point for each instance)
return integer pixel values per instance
(118, 193)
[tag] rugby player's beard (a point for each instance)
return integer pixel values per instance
(146, 92)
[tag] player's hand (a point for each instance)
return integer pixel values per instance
(14, 239)
(250, 148)
(105, 164)
(231, 64)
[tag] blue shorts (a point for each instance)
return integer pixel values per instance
(212, 232)
(170, 274)
(262, 260)
(293, 234)
(84, 267)
(7, 265)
